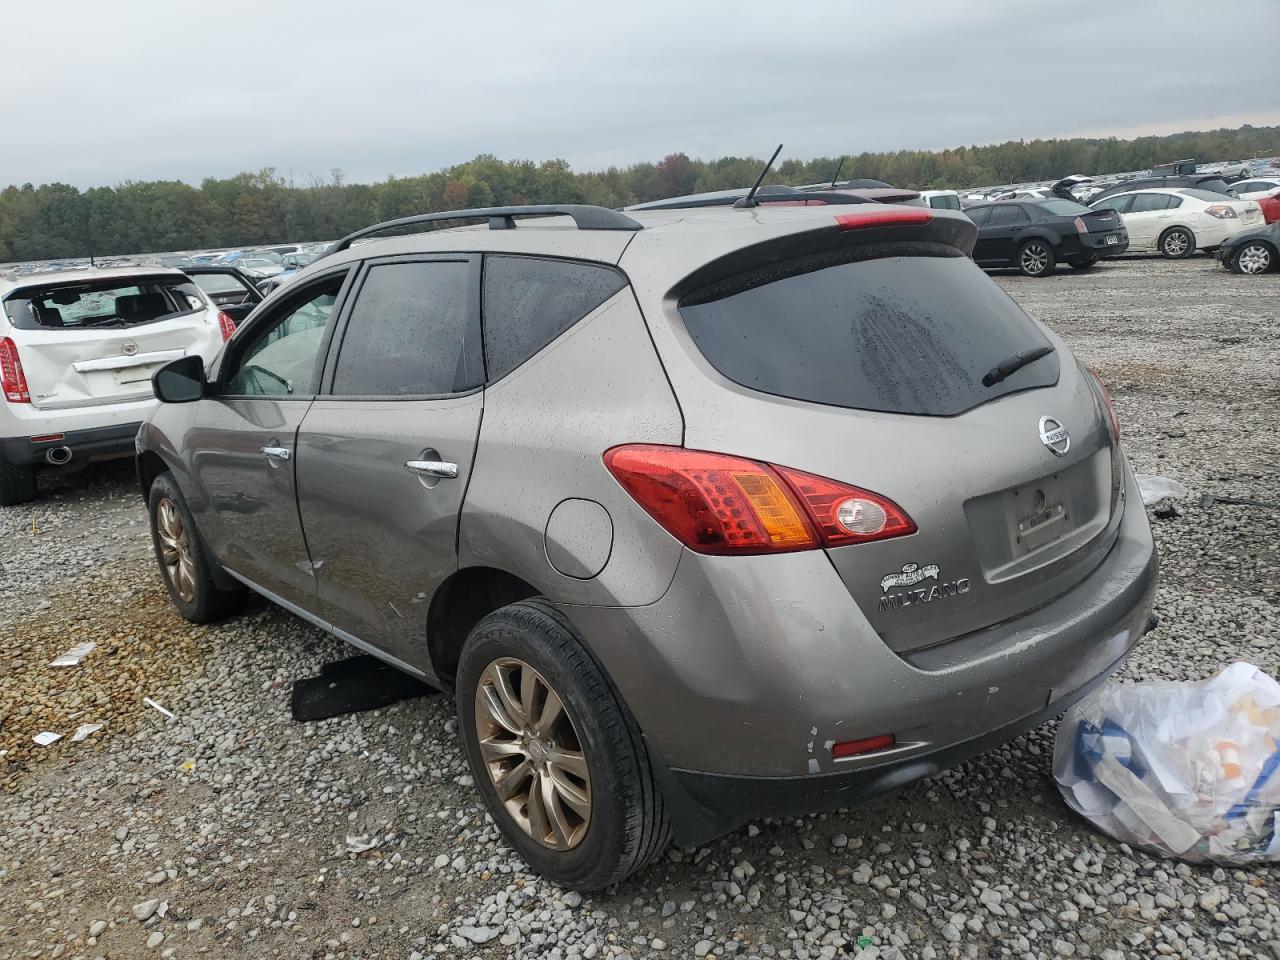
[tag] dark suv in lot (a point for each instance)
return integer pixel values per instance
(701, 515)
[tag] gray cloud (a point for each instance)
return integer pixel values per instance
(100, 93)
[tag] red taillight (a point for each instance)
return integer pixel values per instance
(226, 325)
(1081, 226)
(719, 504)
(851, 748)
(1221, 211)
(12, 380)
(1111, 408)
(883, 217)
(846, 514)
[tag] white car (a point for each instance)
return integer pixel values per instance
(1255, 188)
(937, 200)
(77, 350)
(1178, 221)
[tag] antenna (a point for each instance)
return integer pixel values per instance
(836, 175)
(750, 199)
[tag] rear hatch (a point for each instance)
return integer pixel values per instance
(867, 367)
(99, 341)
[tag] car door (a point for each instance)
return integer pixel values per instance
(385, 453)
(1120, 203)
(1004, 230)
(980, 215)
(230, 290)
(242, 440)
(1147, 217)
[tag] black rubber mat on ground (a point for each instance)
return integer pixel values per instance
(352, 685)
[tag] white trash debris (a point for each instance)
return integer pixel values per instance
(46, 737)
(360, 844)
(1154, 489)
(73, 656)
(1188, 770)
(84, 730)
(155, 706)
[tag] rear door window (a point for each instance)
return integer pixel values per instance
(1006, 215)
(412, 332)
(1149, 203)
(900, 334)
(945, 202)
(529, 301)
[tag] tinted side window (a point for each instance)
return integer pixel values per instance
(1174, 202)
(528, 302)
(1148, 202)
(946, 202)
(979, 215)
(1007, 214)
(411, 332)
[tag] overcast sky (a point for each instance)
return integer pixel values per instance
(97, 93)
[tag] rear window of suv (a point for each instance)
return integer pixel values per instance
(898, 334)
(112, 303)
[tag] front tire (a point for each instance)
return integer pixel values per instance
(17, 484)
(1253, 258)
(558, 760)
(1177, 243)
(181, 556)
(1035, 258)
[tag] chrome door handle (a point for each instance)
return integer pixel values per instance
(432, 468)
(276, 453)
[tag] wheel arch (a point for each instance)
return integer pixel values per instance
(1195, 243)
(149, 465)
(468, 595)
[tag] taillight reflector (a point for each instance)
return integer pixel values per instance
(719, 504)
(49, 437)
(13, 382)
(851, 748)
(1081, 226)
(883, 217)
(846, 514)
(226, 325)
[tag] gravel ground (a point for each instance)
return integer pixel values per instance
(229, 830)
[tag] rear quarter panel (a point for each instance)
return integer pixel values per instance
(545, 429)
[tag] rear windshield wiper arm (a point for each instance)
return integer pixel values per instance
(1013, 363)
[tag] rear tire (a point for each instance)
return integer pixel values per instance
(180, 552)
(17, 484)
(1036, 259)
(1177, 243)
(626, 825)
(1083, 264)
(1253, 258)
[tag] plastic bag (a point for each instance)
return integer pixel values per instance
(1154, 489)
(1188, 770)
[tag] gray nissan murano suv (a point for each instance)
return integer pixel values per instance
(701, 515)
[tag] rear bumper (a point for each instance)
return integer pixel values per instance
(1096, 243)
(98, 443)
(703, 806)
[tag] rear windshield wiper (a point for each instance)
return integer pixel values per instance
(1013, 363)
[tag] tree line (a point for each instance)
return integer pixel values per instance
(56, 220)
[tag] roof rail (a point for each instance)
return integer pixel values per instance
(585, 216)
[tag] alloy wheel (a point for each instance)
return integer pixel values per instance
(532, 753)
(175, 550)
(1175, 244)
(1254, 258)
(1035, 257)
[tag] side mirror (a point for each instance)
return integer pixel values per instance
(180, 381)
